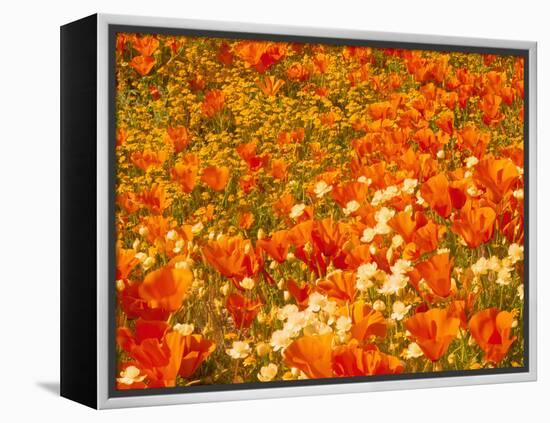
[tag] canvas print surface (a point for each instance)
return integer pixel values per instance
(290, 211)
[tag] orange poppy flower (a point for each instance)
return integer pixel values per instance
(445, 122)
(409, 119)
(246, 219)
(426, 238)
(321, 62)
(224, 54)
(154, 91)
(142, 64)
(260, 54)
(494, 81)
(438, 68)
(360, 54)
(425, 107)
(283, 139)
(121, 40)
(233, 257)
(299, 293)
(508, 95)
(213, 103)
(366, 322)
(300, 233)
(173, 43)
(196, 349)
(274, 54)
(207, 212)
(422, 232)
(329, 236)
(415, 278)
(450, 99)
(197, 83)
(490, 106)
(328, 118)
(136, 307)
(121, 136)
(497, 175)
(365, 146)
(474, 224)
(185, 172)
(433, 331)
(427, 167)
(404, 224)
(322, 91)
(350, 191)
(473, 139)
(250, 51)
(382, 110)
(339, 285)
(279, 169)
(148, 158)
(411, 161)
(376, 173)
(243, 310)
(174, 341)
(145, 329)
(515, 153)
(276, 246)
(355, 257)
(248, 183)
(226, 254)
(436, 192)
(179, 137)
(157, 226)
(426, 140)
(270, 85)
(457, 309)
(160, 360)
(491, 329)
(296, 135)
(283, 205)
(157, 353)
(312, 355)
(147, 348)
(125, 261)
(458, 188)
(155, 199)
(247, 152)
(314, 259)
(511, 226)
(166, 287)
(352, 360)
(298, 73)
(146, 45)
(436, 271)
(216, 177)
(429, 91)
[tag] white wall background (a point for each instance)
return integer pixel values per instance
(29, 208)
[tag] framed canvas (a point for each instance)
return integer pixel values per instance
(254, 211)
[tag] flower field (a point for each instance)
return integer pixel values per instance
(288, 211)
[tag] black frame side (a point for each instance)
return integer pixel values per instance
(78, 211)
